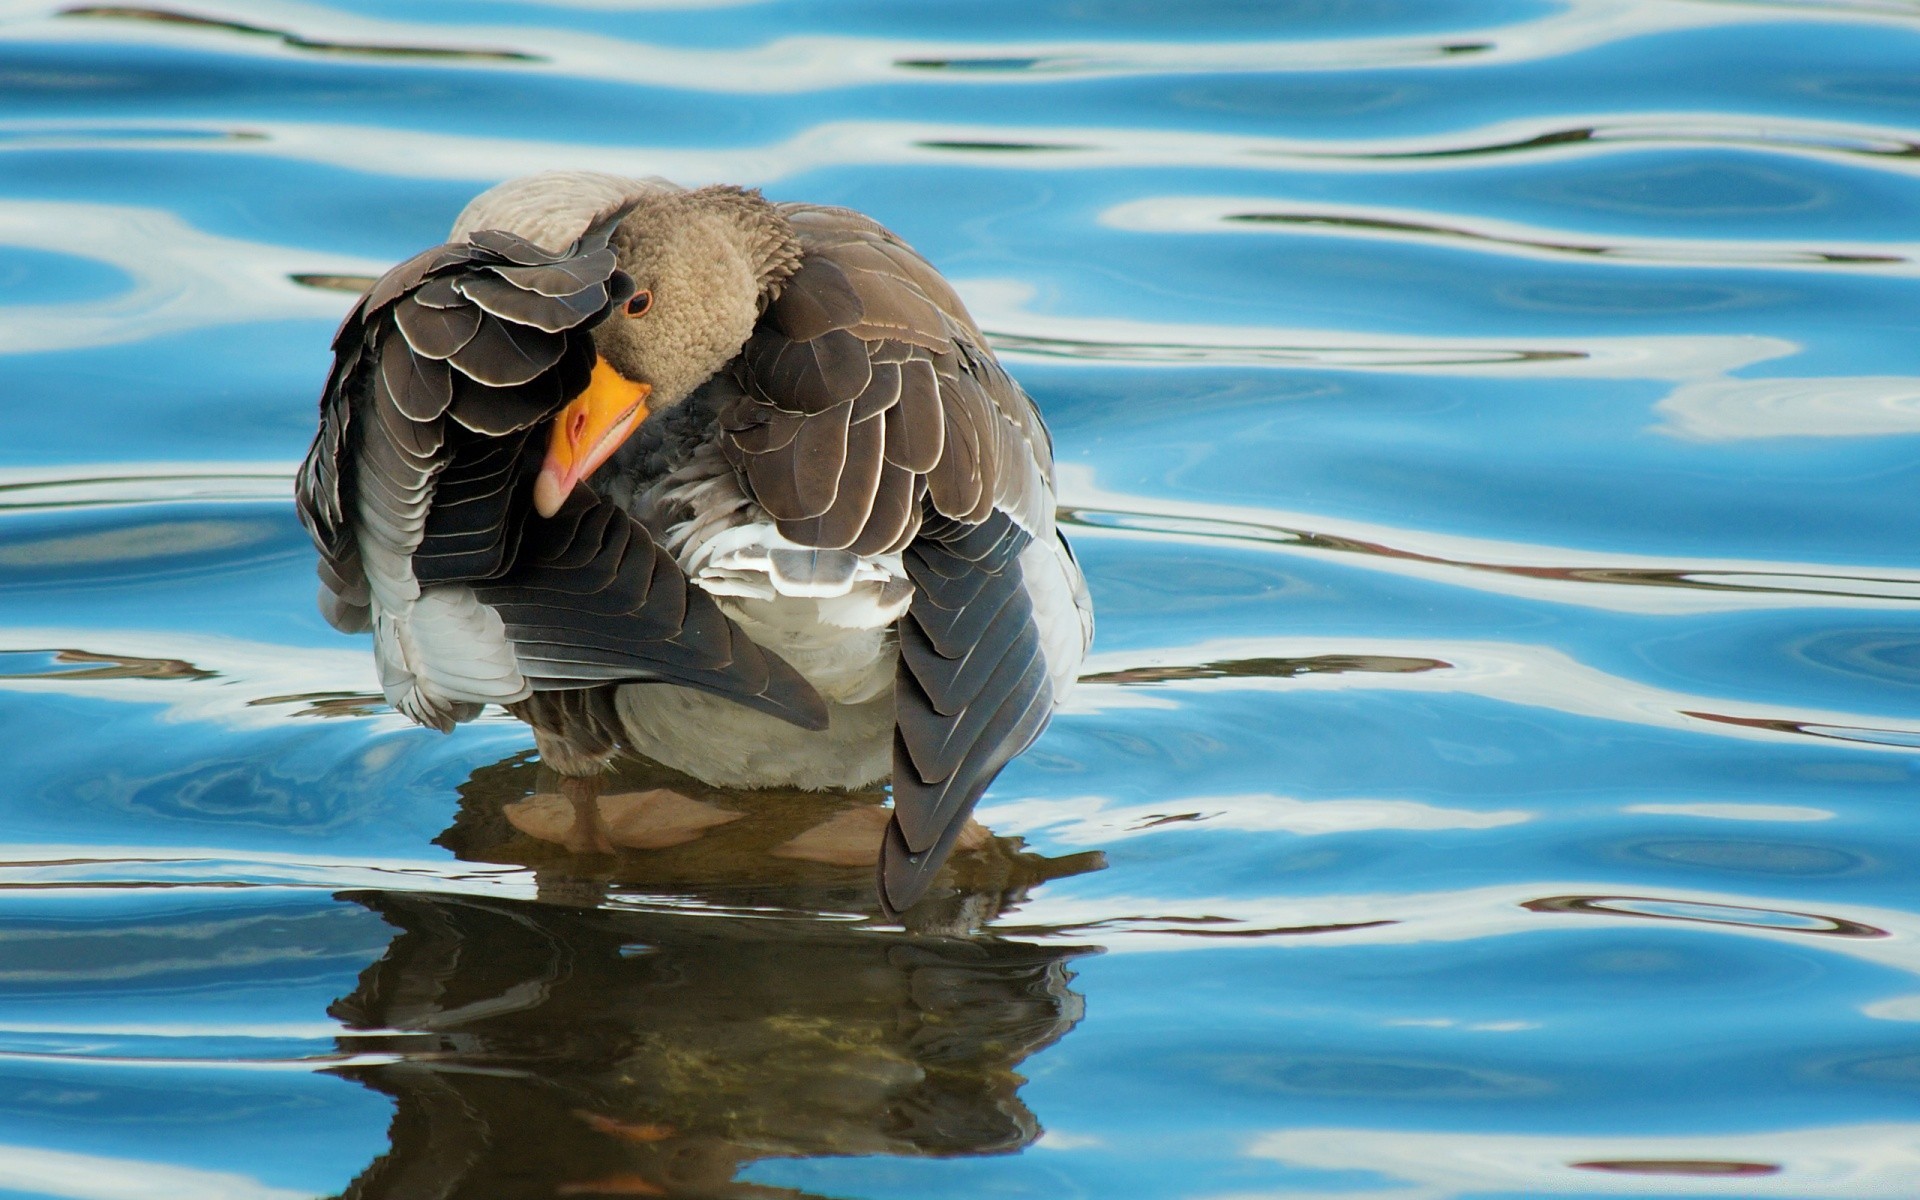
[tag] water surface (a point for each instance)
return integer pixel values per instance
(1490, 433)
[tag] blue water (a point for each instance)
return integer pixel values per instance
(1492, 434)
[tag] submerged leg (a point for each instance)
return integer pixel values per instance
(573, 733)
(577, 734)
(587, 834)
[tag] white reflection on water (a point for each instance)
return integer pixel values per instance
(103, 483)
(811, 63)
(1736, 812)
(290, 1030)
(161, 539)
(1241, 215)
(1894, 1008)
(112, 870)
(41, 1172)
(1821, 406)
(1556, 137)
(1092, 821)
(1846, 1162)
(180, 277)
(1622, 582)
(242, 673)
(440, 154)
(1531, 676)
(784, 64)
(1003, 308)
(1284, 921)
(1456, 1023)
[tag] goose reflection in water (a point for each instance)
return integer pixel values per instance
(585, 1044)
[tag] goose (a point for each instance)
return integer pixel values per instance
(734, 485)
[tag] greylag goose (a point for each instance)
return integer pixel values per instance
(734, 485)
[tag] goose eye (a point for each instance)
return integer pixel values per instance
(641, 302)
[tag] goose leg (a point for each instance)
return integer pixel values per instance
(573, 734)
(588, 833)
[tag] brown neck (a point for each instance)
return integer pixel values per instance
(766, 236)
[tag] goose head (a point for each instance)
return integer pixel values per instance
(704, 264)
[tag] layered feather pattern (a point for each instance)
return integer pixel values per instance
(866, 415)
(417, 493)
(866, 389)
(973, 690)
(861, 485)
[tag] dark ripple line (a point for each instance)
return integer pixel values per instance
(1002, 147)
(1249, 531)
(1713, 1168)
(88, 664)
(1062, 64)
(333, 1060)
(1600, 134)
(327, 705)
(351, 284)
(161, 133)
(1343, 356)
(25, 496)
(1815, 729)
(163, 16)
(1200, 927)
(1598, 906)
(1272, 668)
(1337, 664)
(1589, 250)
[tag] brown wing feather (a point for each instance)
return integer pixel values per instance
(971, 693)
(858, 482)
(921, 444)
(592, 599)
(866, 321)
(391, 382)
(424, 461)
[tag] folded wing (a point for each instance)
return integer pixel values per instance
(870, 416)
(417, 493)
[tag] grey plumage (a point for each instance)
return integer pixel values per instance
(439, 490)
(843, 403)
(973, 690)
(591, 599)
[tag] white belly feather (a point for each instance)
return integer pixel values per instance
(830, 614)
(724, 744)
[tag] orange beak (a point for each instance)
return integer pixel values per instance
(587, 432)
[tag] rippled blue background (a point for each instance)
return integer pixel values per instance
(1489, 430)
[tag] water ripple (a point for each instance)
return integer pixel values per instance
(400, 151)
(42, 489)
(1004, 309)
(1656, 909)
(89, 664)
(810, 62)
(1830, 1161)
(180, 278)
(1559, 574)
(1721, 410)
(1216, 214)
(1879, 936)
(1540, 677)
(234, 682)
(1491, 865)
(1547, 139)
(293, 41)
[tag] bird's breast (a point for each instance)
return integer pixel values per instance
(829, 613)
(728, 745)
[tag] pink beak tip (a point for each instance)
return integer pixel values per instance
(550, 492)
